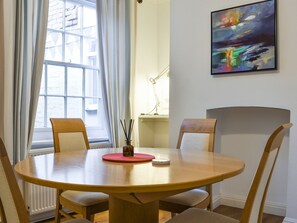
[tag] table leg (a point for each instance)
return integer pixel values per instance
(121, 211)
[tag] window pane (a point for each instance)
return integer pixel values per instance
(55, 14)
(55, 80)
(42, 84)
(72, 49)
(53, 46)
(89, 52)
(55, 108)
(91, 113)
(89, 22)
(73, 17)
(74, 108)
(92, 83)
(74, 82)
(39, 120)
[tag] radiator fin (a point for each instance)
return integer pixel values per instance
(40, 199)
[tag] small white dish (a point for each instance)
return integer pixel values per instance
(161, 161)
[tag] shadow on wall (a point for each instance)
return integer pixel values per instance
(243, 132)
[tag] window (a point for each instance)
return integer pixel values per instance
(70, 85)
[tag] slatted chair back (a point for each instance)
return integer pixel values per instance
(253, 209)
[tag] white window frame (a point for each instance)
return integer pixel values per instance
(43, 136)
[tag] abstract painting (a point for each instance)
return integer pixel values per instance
(244, 38)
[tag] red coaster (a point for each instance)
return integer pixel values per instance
(118, 157)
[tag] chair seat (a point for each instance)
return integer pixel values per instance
(196, 215)
(189, 198)
(84, 198)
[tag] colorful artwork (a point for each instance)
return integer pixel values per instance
(243, 38)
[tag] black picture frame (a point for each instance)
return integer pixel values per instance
(243, 38)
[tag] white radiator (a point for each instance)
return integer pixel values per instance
(39, 199)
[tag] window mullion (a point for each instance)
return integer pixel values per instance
(65, 91)
(81, 35)
(45, 97)
(84, 94)
(63, 33)
(65, 67)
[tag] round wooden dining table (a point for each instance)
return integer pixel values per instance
(134, 188)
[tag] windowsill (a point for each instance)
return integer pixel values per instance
(48, 145)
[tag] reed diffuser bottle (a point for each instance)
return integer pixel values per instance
(128, 149)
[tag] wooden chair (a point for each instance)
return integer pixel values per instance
(204, 132)
(70, 134)
(12, 205)
(253, 209)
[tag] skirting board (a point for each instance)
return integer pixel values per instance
(42, 216)
(239, 201)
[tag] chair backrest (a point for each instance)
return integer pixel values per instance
(253, 209)
(69, 134)
(197, 133)
(13, 208)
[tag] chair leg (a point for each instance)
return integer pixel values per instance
(58, 207)
(209, 190)
(92, 218)
(210, 206)
(87, 215)
(173, 214)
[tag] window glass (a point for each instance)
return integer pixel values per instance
(75, 82)
(55, 80)
(70, 85)
(74, 108)
(55, 15)
(55, 107)
(39, 120)
(73, 17)
(54, 46)
(42, 84)
(89, 23)
(92, 84)
(91, 111)
(72, 49)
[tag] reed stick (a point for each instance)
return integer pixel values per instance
(128, 131)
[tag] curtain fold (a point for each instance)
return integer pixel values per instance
(114, 60)
(30, 35)
(22, 41)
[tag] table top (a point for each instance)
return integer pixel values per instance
(85, 170)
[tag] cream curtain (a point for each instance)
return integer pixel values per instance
(24, 27)
(114, 59)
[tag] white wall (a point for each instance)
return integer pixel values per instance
(7, 81)
(193, 90)
(152, 56)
